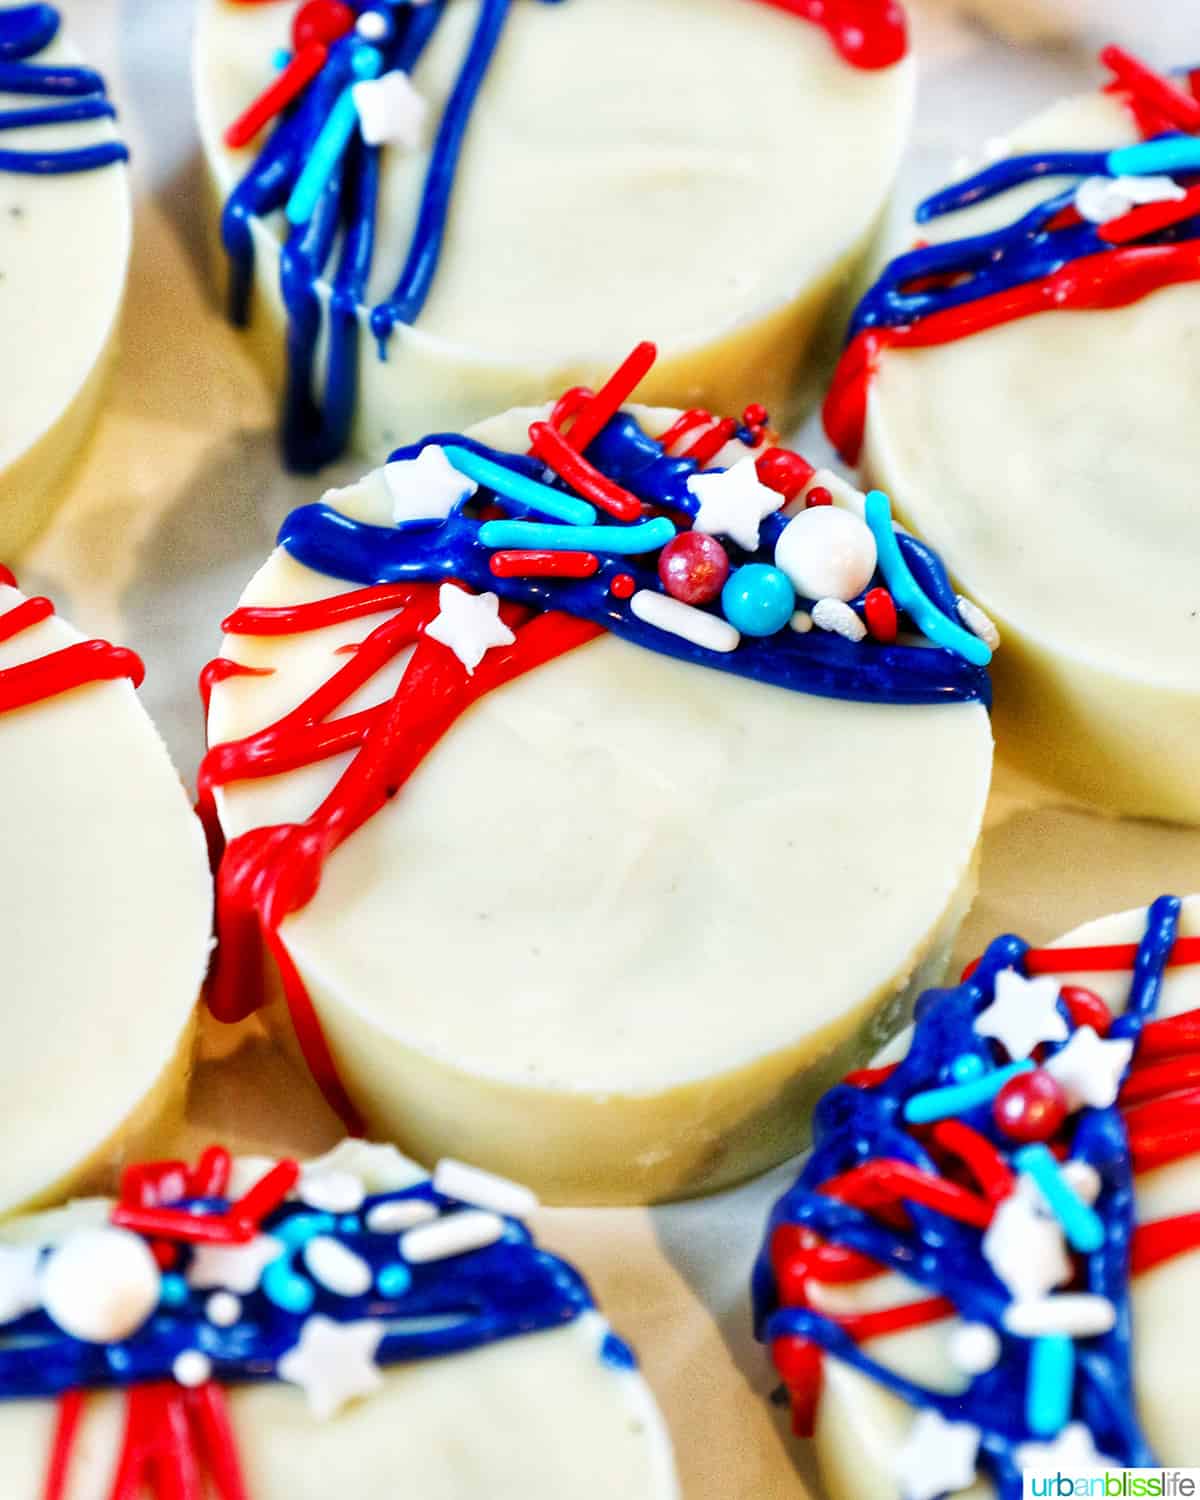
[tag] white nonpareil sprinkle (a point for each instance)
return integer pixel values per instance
(336, 1267)
(838, 618)
(1079, 1315)
(330, 1191)
(685, 621)
(937, 1457)
(425, 488)
(974, 1348)
(390, 110)
(372, 26)
(468, 624)
(456, 1179)
(404, 1213)
(223, 1309)
(452, 1234)
(192, 1368)
(978, 622)
(1023, 1014)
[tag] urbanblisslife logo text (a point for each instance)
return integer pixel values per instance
(1119, 1484)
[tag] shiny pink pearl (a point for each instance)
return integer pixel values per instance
(1030, 1106)
(693, 567)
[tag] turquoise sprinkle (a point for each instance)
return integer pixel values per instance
(285, 1288)
(281, 59)
(1175, 154)
(332, 142)
(394, 1280)
(539, 497)
(1082, 1226)
(349, 1224)
(646, 536)
(301, 1228)
(1051, 1385)
(905, 590)
(967, 1067)
(173, 1291)
(957, 1098)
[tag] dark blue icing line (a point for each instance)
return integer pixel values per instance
(500, 1292)
(819, 663)
(977, 266)
(25, 31)
(856, 1125)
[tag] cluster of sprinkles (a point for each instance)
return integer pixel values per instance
(344, 93)
(1118, 226)
(246, 1270)
(76, 94)
(497, 563)
(994, 1169)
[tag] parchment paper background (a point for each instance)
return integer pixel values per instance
(178, 501)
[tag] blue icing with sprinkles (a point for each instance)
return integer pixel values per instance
(826, 664)
(1037, 1385)
(427, 1309)
(78, 94)
(332, 233)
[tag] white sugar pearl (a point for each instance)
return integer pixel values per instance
(373, 26)
(390, 110)
(100, 1285)
(191, 1368)
(974, 1348)
(404, 1213)
(801, 622)
(337, 1268)
(827, 553)
(223, 1309)
(838, 618)
(331, 1192)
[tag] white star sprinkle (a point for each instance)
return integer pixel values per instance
(733, 502)
(334, 1363)
(1072, 1450)
(390, 110)
(1025, 1247)
(1089, 1069)
(938, 1457)
(1023, 1013)
(233, 1268)
(425, 488)
(469, 624)
(19, 1292)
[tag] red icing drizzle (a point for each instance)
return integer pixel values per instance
(868, 34)
(59, 671)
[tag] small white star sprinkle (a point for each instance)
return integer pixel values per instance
(334, 1363)
(938, 1457)
(425, 488)
(1090, 1069)
(733, 502)
(233, 1268)
(1024, 1013)
(1071, 1451)
(469, 624)
(1025, 1247)
(18, 1281)
(390, 110)
(330, 1190)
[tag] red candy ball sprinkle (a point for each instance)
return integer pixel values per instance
(1030, 1106)
(622, 586)
(321, 21)
(880, 610)
(818, 495)
(693, 567)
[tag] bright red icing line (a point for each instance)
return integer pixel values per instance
(867, 33)
(59, 671)
(1116, 278)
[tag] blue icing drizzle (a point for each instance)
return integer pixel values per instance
(821, 663)
(856, 1125)
(316, 427)
(436, 1308)
(25, 31)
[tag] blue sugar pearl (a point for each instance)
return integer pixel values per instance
(394, 1280)
(758, 599)
(173, 1291)
(967, 1067)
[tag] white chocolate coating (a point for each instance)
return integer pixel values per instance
(536, 1417)
(860, 1428)
(106, 906)
(59, 307)
(1052, 463)
(630, 915)
(624, 177)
